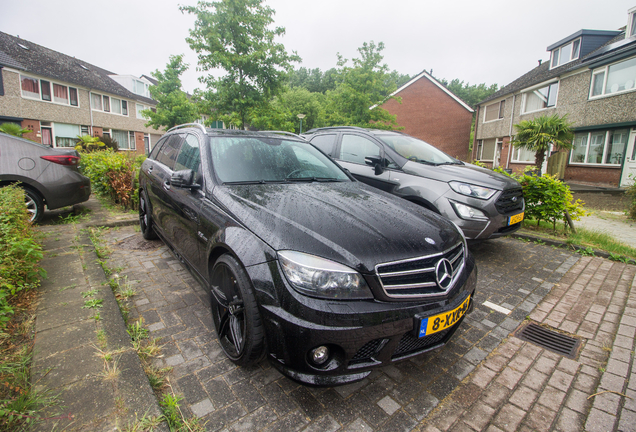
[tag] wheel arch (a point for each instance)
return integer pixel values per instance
(422, 202)
(25, 185)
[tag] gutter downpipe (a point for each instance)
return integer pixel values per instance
(90, 108)
(512, 116)
(472, 153)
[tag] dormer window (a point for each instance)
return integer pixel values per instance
(631, 24)
(566, 53)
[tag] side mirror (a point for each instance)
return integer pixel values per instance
(377, 162)
(183, 179)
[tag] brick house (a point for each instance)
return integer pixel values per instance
(59, 97)
(590, 77)
(430, 112)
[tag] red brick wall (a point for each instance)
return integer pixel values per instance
(97, 131)
(34, 126)
(428, 113)
(596, 175)
(139, 143)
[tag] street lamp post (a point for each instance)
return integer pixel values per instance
(301, 117)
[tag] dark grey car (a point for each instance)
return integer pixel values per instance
(49, 176)
(484, 204)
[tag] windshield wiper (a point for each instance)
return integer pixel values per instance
(314, 179)
(246, 182)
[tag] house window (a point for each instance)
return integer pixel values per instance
(599, 147)
(106, 104)
(46, 90)
(616, 78)
(494, 111)
(60, 94)
(541, 98)
(566, 53)
(131, 140)
(30, 87)
(631, 25)
(115, 105)
(124, 108)
(66, 134)
(140, 108)
(84, 130)
(122, 139)
(523, 155)
(73, 96)
(96, 101)
(486, 150)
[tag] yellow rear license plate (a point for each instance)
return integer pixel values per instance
(444, 320)
(515, 219)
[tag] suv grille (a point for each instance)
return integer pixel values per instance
(509, 201)
(428, 276)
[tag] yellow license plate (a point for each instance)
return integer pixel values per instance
(515, 219)
(444, 320)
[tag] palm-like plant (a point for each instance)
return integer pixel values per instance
(537, 135)
(13, 129)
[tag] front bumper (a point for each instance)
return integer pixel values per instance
(360, 335)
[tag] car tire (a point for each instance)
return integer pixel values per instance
(145, 220)
(34, 205)
(238, 323)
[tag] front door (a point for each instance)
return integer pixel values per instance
(629, 167)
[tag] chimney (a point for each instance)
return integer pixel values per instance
(540, 62)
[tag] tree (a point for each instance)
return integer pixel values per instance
(173, 105)
(471, 94)
(365, 85)
(537, 135)
(234, 35)
(282, 112)
(13, 129)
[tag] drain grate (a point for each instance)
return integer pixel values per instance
(551, 340)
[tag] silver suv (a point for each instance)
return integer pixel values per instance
(484, 204)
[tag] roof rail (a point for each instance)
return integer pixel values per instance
(200, 126)
(282, 133)
(334, 127)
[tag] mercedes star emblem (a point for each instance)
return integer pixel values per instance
(444, 273)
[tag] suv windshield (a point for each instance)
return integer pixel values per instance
(264, 159)
(417, 150)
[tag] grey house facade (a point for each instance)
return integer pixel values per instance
(591, 77)
(59, 97)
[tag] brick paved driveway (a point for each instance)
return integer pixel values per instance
(512, 274)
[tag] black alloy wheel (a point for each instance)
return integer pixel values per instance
(145, 220)
(235, 313)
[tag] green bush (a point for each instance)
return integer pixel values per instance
(19, 252)
(113, 175)
(548, 199)
(631, 191)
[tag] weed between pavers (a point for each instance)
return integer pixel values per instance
(147, 348)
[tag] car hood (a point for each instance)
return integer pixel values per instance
(468, 173)
(346, 222)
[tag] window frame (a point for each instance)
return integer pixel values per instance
(480, 149)
(108, 100)
(50, 85)
(604, 70)
(500, 106)
(557, 53)
(524, 99)
(608, 135)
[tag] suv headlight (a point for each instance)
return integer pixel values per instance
(319, 277)
(472, 190)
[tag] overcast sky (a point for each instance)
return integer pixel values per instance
(490, 41)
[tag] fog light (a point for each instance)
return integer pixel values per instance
(466, 212)
(320, 355)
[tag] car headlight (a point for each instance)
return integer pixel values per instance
(467, 212)
(472, 190)
(319, 277)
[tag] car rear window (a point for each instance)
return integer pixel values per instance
(325, 143)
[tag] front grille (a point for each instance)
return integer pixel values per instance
(509, 201)
(410, 344)
(417, 277)
(367, 351)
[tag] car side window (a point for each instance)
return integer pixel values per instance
(355, 148)
(325, 143)
(168, 152)
(189, 156)
(155, 149)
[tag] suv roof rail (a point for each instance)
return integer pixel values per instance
(282, 133)
(335, 127)
(200, 126)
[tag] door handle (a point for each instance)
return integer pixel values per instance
(149, 170)
(166, 185)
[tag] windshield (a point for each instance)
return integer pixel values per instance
(264, 159)
(417, 150)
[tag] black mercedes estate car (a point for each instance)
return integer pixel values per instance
(325, 276)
